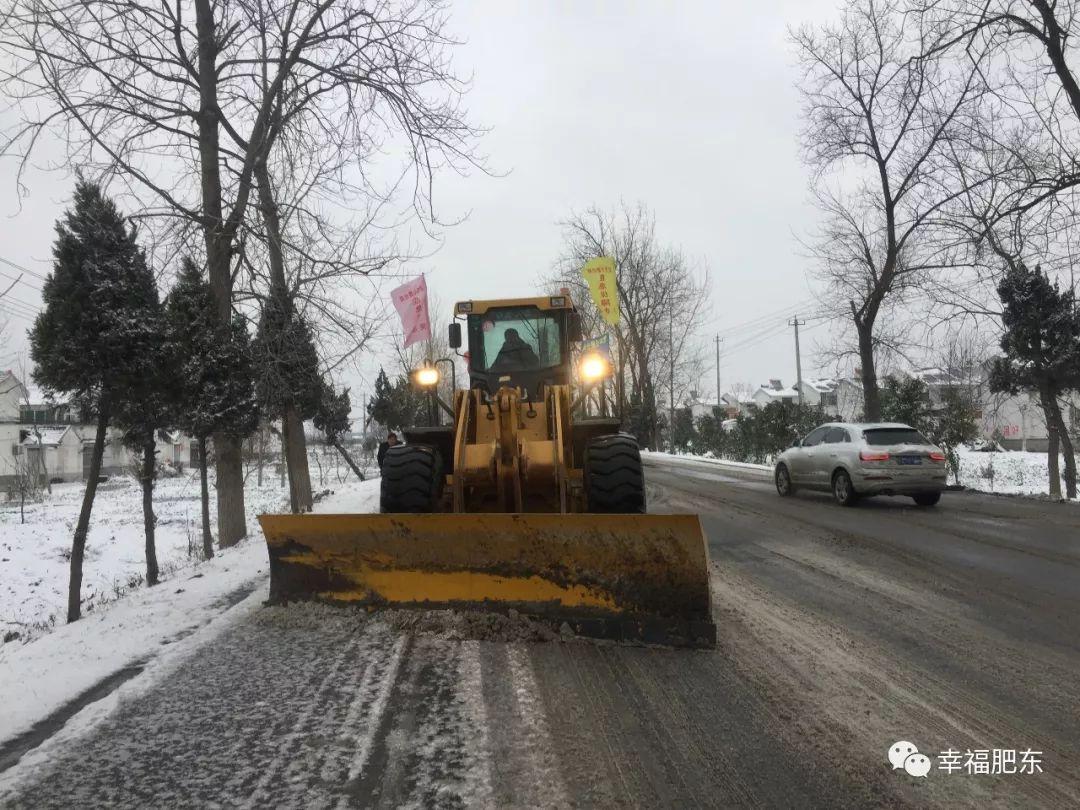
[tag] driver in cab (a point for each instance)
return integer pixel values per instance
(515, 354)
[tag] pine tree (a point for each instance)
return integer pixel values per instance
(332, 418)
(399, 405)
(87, 341)
(380, 407)
(147, 407)
(1041, 348)
(954, 424)
(289, 386)
(216, 391)
(906, 400)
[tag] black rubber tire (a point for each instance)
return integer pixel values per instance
(412, 479)
(926, 498)
(614, 479)
(789, 488)
(843, 490)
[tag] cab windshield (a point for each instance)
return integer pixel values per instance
(514, 339)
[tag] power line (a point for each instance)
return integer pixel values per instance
(19, 267)
(19, 279)
(18, 305)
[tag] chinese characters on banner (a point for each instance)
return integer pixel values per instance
(600, 274)
(410, 300)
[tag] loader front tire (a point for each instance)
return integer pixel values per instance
(614, 480)
(411, 479)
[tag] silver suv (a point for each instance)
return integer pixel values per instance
(852, 460)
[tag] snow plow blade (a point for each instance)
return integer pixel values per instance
(625, 577)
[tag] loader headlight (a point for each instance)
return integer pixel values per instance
(426, 377)
(594, 367)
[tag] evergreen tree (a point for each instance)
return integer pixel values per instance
(711, 436)
(685, 435)
(332, 418)
(907, 400)
(289, 386)
(88, 340)
(399, 405)
(380, 408)
(954, 424)
(213, 366)
(147, 407)
(1041, 348)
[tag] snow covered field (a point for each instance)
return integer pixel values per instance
(1009, 473)
(149, 627)
(34, 555)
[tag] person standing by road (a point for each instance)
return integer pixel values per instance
(391, 440)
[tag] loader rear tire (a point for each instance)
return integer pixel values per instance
(614, 480)
(411, 479)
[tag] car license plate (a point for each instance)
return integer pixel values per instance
(909, 459)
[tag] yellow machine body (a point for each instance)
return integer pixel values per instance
(510, 528)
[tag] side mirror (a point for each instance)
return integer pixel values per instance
(573, 327)
(455, 335)
(797, 443)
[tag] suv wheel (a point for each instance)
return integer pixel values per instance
(926, 498)
(843, 490)
(783, 481)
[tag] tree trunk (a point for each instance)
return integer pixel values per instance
(261, 450)
(232, 523)
(204, 487)
(78, 543)
(218, 235)
(348, 459)
(292, 424)
(871, 394)
(1055, 417)
(1053, 449)
(297, 458)
(148, 510)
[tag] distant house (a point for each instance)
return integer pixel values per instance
(774, 391)
(34, 431)
(734, 404)
(12, 394)
(61, 449)
(820, 393)
(850, 402)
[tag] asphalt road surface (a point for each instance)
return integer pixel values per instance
(841, 631)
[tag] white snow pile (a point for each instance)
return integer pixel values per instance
(145, 625)
(1010, 473)
(708, 458)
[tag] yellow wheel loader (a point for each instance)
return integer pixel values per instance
(518, 504)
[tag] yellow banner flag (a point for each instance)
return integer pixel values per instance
(600, 274)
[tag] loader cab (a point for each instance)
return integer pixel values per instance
(521, 343)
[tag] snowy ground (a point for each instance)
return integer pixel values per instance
(1010, 473)
(1004, 473)
(34, 555)
(149, 627)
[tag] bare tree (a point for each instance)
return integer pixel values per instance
(182, 101)
(661, 300)
(881, 109)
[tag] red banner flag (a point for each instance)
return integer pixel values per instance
(410, 300)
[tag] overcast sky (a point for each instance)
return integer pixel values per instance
(687, 107)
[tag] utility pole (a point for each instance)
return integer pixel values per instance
(671, 379)
(718, 342)
(798, 357)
